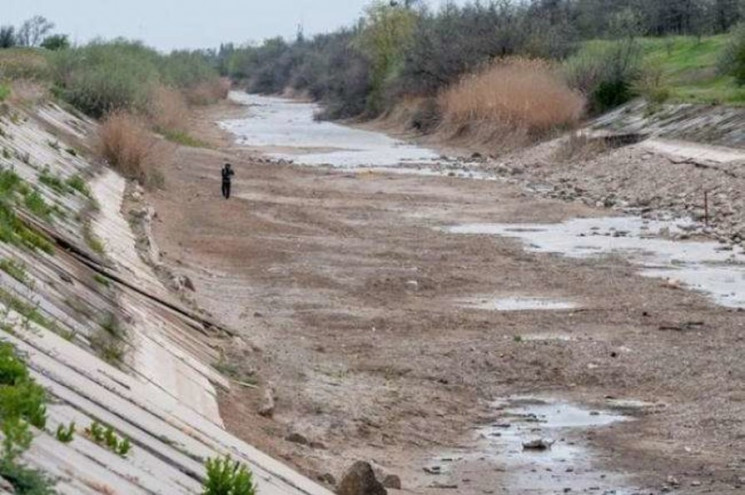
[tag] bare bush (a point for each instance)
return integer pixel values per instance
(168, 109)
(520, 99)
(126, 144)
(208, 92)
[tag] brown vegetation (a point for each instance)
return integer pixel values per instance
(208, 92)
(513, 101)
(125, 142)
(168, 109)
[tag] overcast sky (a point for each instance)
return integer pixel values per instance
(168, 24)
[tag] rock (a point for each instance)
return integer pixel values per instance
(360, 480)
(327, 478)
(538, 444)
(412, 285)
(297, 438)
(267, 405)
(433, 470)
(6, 486)
(672, 481)
(392, 481)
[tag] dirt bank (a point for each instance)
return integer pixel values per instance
(350, 302)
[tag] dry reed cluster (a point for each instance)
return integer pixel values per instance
(511, 100)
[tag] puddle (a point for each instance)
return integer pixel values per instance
(289, 125)
(521, 304)
(502, 463)
(701, 266)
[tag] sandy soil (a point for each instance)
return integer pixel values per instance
(316, 271)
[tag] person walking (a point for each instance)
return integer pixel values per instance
(227, 177)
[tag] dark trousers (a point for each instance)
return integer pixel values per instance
(226, 189)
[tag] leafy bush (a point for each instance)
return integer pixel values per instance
(732, 60)
(101, 78)
(26, 481)
(106, 77)
(226, 477)
(605, 72)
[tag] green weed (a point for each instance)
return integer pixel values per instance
(183, 138)
(36, 205)
(77, 183)
(65, 434)
(15, 269)
(29, 311)
(53, 181)
(228, 477)
(13, 231)
(109, 439)
(102, 280)
(108, 341)
(4, 92)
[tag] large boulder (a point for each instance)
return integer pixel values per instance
(360, 480)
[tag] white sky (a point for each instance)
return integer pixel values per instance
(168, 24)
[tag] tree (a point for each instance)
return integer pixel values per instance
(33, 31)
(387, 31)
(7, 37)
(56, 42)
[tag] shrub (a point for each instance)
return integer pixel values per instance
(515, 96)
(605, 72)
(226, 477)
(125, 143)
(732, 60)
(23, 63)
(22, 403)
(169, 110)
(100, 78)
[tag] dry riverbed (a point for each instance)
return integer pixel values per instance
(382, 335)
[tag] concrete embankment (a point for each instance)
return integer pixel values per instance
(101, 332)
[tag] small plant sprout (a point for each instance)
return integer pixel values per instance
(228, 477)
(96, 432)
(65, 434)
(124, 447)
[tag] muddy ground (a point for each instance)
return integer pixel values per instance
(349, 303)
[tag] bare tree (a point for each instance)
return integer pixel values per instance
(33, 31)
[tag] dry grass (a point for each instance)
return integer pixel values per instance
(208, 92)
(125, 142)
(168, 109)
(510, 103)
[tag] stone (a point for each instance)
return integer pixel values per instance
(360, 480)
(327, 478)
(6, 486)
(538, 444)
(297, 438)
(412, 285)
(267, 405)
(392, 481)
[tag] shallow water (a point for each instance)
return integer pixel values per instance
(567, 464)
(501, 462)
(520, 304)
(699, 265)
(289, 126)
